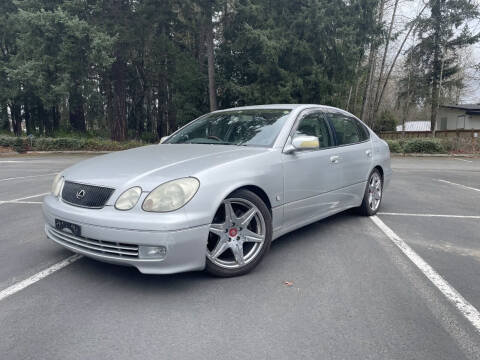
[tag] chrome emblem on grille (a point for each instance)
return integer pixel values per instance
(80, 194)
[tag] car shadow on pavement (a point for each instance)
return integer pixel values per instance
(292, 244)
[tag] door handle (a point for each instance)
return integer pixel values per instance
(368, 153)
(335, 159)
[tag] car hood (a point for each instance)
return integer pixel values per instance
(149, 166)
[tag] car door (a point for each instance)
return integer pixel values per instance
(310, 176)
(354, 152)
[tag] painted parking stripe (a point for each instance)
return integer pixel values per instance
(432, 215)
(38, 276)
(23, 202)
(470, 161)
(23, 198)
(27, 177)
(459, 185)
(467, 309)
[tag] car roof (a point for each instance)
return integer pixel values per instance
(271, 107)
(298, 107)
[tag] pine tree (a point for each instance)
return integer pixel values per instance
(440, 35)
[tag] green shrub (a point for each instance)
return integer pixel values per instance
(419, 145)
(423, 145)
(395, 146)
(386, 122)
(20, 145)
(65, 144)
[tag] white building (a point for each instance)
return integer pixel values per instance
(415, 126)
(461, 116)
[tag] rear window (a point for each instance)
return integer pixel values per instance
(348, 130)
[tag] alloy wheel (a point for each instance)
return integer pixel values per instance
(374, 191)
(237, 234)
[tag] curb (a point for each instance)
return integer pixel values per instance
(432, 155)
(72, 152)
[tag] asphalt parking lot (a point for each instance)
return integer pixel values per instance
(354, 294)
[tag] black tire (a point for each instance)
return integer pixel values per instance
(220, 271)
(366, 208)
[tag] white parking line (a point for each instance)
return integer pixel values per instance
(11, 161)
(467, 309)
(463, 160)
(22, 202)
(459, 185)
(27, 177)
(432, 215)
(38, 276)
(23, 198)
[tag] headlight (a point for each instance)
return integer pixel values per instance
(129, 198)
(171, 195)
(57, 185)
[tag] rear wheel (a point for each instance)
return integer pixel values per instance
(373, 194)
(240, 235)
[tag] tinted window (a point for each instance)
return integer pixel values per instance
(314, 124)
(347, 129)
(364, 133)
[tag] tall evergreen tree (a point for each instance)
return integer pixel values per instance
(440, 35)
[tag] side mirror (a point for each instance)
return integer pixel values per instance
(163, 138)
(302, 142)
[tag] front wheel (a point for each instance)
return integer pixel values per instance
(373, 194)
(239, 236)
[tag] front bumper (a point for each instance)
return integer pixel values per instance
(185, 248)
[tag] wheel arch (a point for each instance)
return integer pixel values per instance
(257, 191)
(380, 170)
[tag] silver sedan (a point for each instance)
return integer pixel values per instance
(215, 193)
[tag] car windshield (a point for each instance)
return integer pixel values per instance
(242, 127)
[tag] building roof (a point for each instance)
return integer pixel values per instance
(462, 106)
(415, 126)
(470, 109)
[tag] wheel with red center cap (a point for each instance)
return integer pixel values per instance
(239, 236)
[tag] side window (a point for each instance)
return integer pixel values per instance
(364, 133)
(314, 124)
(347, 129)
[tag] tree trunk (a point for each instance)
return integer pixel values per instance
(211, 59)
(384, 58)
(372, 61)
(75, 108)
(4, 122)
(118, 120)
(27, 109)
(437, 63)
(149, 117)
(366, 92)
(413, 24)
(55, 118)
(109, 104)
(16, 115)
(42, 118)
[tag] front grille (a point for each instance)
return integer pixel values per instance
(89, 196)
(99, 247)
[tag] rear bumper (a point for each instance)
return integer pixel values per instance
(185, 248)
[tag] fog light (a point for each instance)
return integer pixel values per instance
(152, 252)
